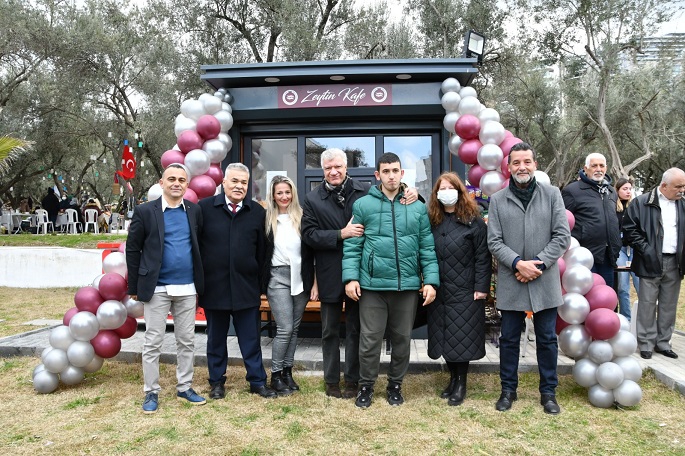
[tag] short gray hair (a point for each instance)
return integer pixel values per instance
(237, 167)
(179, 166)
(670, 174)
(330, 154)
(594, 155)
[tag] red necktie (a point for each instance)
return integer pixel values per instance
(234, 207)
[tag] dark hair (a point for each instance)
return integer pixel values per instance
(387, 158)
(521, 146)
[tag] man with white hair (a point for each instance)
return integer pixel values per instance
(592, 200)
(655, 227)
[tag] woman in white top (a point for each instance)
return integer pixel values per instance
(290, 279)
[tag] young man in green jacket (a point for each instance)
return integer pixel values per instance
(383, 269)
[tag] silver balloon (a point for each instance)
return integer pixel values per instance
(574, 341)
(491, 132)
(154, 192)
(579, 256)
(490, 157)
(623, 343)
(182, 124)
(56, 361)
(628, 393)
(72, 375)
(115, 262)
(193, 109)
(45, 382)
(111, 314)
(450, 101)
(80, 353)
(450, 120)
(226, 107)
(224, 138)
(212, 104)
(38, 368)
(60, 337)
(96, 281)
(450, 85)
(223, 91)
(45, 351)
(541, 177)
(454, 143)
(216, 150)
(95, 365)
(469, 105)
(491, 182)
(225, 119)
(609, 375)
(584, 372)
(84, 326)
(600, 396)
(575, 308)
(577, 279)
(488, 114)
(197, 162)
(219, 95)
(134, 308)
(625, 323)
(228, 98)
(630, 367)
(468, 92)
(600, 351)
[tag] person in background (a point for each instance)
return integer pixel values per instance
(456, 319)
(288, 281)
(51, 204)
(624, 190)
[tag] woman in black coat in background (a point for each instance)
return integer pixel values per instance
(456, 319)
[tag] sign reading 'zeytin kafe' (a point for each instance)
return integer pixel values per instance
(329, 96)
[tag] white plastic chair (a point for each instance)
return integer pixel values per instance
(91, 219)
(115, 223)
(6, 221)
(72, 221)
(42, 221)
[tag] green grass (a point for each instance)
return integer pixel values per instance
(76, 241)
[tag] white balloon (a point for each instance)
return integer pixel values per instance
(225, 119)
(197, 162)
(454, 143)
(469, 105)
(226, 107)
(491, 132)
(134, 308)
(80, 353)
(542, 178)
(84, 326)
(609, 375)
(600, 351)
(111, 314)
(575, 308)
(625, 323)
(183, 124)
(115, 262)
(574, 341)
(490, 157)
(450, 85)
(579, 256)
(193, 109)
(212, 104)
(628, 393)
(45, 382)
(450, 120)
(468, 92)
(60, 337)
(488, 114)
(623, 343)
(574, 243)
(450, 101)
(56, 361)
(577, 279)
(216, 150)
(491, 182)
(96, 281)
(204, 97)
(72, 375)
(95, 365)
(154, 192)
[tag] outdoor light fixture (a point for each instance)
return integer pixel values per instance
(272, 79)
(474, 43)
(337, 78)
(403, 76)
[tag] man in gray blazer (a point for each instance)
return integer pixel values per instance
(527, 233)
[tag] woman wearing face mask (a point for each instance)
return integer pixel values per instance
(289, 282)
(624, 190)
(456, 319)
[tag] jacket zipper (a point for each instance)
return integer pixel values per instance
(394, 238)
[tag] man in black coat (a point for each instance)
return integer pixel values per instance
(233, 250)
(51, 204)
(165, 273)
(592, 200)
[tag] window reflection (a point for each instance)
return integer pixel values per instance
(270, 157)
(415, 155)
(361, 151)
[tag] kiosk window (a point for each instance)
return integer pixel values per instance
(361, 151)
(415, 153)
(270, 157)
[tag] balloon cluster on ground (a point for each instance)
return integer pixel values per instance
(479, 138)
(92, 330)
(202, 143)
(592, 333)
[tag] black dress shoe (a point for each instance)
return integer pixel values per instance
(218, 391)
(646, 354)
(667, 353)
(505, 401)
(263, 391)
(549, 403)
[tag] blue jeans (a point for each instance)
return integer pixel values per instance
(545, 342)
(624, 257)
(606, 270)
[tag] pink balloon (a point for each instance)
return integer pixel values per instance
(189, 140)
(215, 173)
(507, 143)
(508, 134)
(475, 173)
(122, 247)
(113, 286)
(467, 127)
(203, 186)
(597, 280)
(602, 296)
(172, 156)
(127, 329)
(561, 324)
(468, 151)
(602, 324)
(88, 299)
(505, 167)
(562, 266)
(190, 195)
(505, 184)
(106, 343)
(68, 314)
(571, 219)
(208, 127)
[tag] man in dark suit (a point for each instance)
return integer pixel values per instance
(233, 250)
(165, 273)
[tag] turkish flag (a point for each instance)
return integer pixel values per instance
(128, 164)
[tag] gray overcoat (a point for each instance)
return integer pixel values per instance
(540, 231)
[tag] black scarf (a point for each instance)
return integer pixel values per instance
(523, 194)
(338, 192)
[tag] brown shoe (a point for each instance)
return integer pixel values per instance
(350, 390)
(333, 390)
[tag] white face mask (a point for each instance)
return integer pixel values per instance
(448, 197)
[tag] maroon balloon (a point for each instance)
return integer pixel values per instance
(172, 156)
(505, 184)
(127, 329)
(467, 127)
(507, 143)
(505, 167)
(475, 173)
(602, 324)
(468, 151)
(203, 185)
(88, 299)
(189, 140)
(190, 195)
(571, 219)
(215, 173)
(113, 286)
(561, 324)
(68, 314)
(208, 127)
(562, 267)
(107, 344)
(602, 296)
(597, 280)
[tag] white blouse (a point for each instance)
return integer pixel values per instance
(287, 252)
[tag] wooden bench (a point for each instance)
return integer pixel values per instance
(312, 313)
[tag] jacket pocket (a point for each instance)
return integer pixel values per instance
(142, 271)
